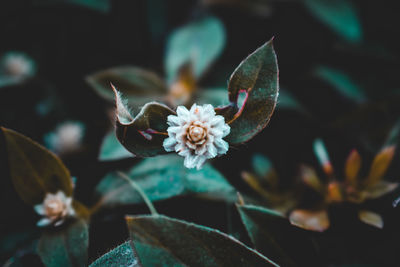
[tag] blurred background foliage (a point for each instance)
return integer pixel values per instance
(338, 61)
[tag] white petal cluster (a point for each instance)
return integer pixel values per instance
(55, 209)
(66, 138)
(17, 65)
(196, 134)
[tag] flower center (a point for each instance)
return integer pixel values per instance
(54, 208)
(196, 133)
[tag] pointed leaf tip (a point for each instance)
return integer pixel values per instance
(257, 77)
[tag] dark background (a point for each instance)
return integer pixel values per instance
(69, 42)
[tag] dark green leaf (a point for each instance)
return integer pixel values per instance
(65, 246)
(339, 15)
(111, 149)
(34, 170)
(274, 236)
(144, 135)
(99, 5)
(262, 166)
(162, 241)
(160, 178)
(342, 83)
(138, 86)
(123, 255)
(257, 78)
(199, 43)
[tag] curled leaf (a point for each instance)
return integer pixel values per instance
(371, 218)
(111, 149)
(143, 135)
(310, 220)
(163, 241)
(34, 170)
(257, 78)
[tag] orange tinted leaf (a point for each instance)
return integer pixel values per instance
(380, 164)
(352, 167)
(380, 189)
(310, 178)
(181, 90)
(255, 184)
(334, 192)
(310, 220)
(371, 218)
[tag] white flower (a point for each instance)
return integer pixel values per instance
(17, 65)
(66, 138)
(55, 209)
(197, 134)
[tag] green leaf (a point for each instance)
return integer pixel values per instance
(163, 241)
(257, 78)
(144, 135)
(65, 246)
(138, 86)
(34, 170)
(111, 149)
(123, 255)
(98, 5)
(274, 236)
(160, 178)
(289, 101)
(199, 43)
(262, 166)
(339, 15)
(342, 83)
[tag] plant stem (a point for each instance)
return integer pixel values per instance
(150, 205)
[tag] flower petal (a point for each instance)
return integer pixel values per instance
(43, 222)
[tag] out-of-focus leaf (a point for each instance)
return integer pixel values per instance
(380, 164)
(34, 170)
(66, 246)
(138, 86)
(255, 183)
(143, 136)
(309, 176)
(322, 155)
(163, 241)
(339, 15)
(274, 236)
(371, 218)
(214, 96)
(289, 101)
(342, 83)
(98, 5)
(160, 178)
(182, 88)
(317, 220)
(111, 149)
(380, 189)
(262, 166)
(352, 167)
(257, 78)
(198, 43)
(123, 255)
